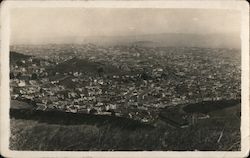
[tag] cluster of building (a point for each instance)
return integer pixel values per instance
(153, 78)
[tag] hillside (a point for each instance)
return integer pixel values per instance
(15, 56)
(84, 66)
(210, 106)
(68, 118)
(54, 130)
(34, 135)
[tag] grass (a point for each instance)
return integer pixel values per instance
(60, 131)
(35, 135)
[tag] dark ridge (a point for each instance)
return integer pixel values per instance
(67, 118)
(210, 106)
(85, 66)
(14, 56)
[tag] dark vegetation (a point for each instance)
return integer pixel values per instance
(67, 118)
(83, 65)
(15, 57)
(208, 106)
(32, 135)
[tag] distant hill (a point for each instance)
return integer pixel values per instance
(146, 43)
(160, 40)
(165, 40)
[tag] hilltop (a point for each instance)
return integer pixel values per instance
(15, 56)
(85, 66)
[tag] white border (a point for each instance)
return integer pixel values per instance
(242, 6)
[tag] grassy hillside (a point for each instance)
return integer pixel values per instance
(34, 134)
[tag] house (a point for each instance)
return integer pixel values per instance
(21, 83)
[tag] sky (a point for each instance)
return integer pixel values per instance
(44, 25)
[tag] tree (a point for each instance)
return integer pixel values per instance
(93, 111)
(34, 76)
(100, 71)
(144, 76)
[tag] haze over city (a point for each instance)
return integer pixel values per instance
(106, 26)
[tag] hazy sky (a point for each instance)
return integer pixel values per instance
(37, 25)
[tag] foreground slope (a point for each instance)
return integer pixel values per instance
(41, 130)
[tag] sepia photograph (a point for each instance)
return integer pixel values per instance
(129, 77)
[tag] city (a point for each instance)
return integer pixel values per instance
(126, 81)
